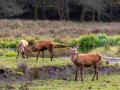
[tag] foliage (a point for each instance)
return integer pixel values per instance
(10, 54)
(96, 40)
(11, 8)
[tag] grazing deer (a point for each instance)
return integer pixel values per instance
(22, 45)
(41, 46)
(84, 60)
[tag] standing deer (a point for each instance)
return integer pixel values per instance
(41, 46)
(84, 60)
(22, 45)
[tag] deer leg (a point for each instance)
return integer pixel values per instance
(27, 56)
(77, 68)
(43, 55)
(38, 55)
(81, 72)
(96, 71)
(18, 54)
(51, 52)
(23, 55)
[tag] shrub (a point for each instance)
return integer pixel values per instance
(96, 40)
(10, 54)
(102, 63)
(31, 42)
(2, 53)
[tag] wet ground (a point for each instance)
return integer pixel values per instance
(65, 53)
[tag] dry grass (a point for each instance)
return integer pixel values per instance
(52, 29)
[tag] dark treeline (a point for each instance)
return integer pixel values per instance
(80, 10)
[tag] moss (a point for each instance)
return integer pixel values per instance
(19, 73)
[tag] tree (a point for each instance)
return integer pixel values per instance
(10, 8)
(67, 9)
(43, 10)
(35, 5)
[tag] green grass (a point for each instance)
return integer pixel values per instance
(112, 51)
(12, 62)
(105, 82)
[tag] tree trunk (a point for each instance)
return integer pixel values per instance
(93, 16)
(35, 12)
(82, 14)
(0, 15)
(59, 9)
(43, 10)
(111, 12)
(98, 15)
(67, 10)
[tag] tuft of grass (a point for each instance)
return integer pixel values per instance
(34, 74)
(22, 67)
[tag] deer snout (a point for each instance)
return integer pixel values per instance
(31, 53)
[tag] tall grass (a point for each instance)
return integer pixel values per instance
(96, 40)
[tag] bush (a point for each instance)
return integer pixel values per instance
(96, 40)
(31, 42)
(10, 54)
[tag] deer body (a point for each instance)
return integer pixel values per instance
(41, 46)
(22, 45)
(84, 60)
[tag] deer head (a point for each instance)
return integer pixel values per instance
(73, 50)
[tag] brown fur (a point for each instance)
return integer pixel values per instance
(84, 60)
(41, 46)
(22, 45)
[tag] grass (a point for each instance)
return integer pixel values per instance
(12, 62)
(14, 30)
(43, 29)
(112, 51)
(105, 82)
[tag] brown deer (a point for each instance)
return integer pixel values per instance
(22, 45)
(41, 46)
(84, 60)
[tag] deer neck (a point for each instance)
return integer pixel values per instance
(73, 57)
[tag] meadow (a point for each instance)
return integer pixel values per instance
(25, 74)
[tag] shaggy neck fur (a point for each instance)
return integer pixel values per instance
(73, 57)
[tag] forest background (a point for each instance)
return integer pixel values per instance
(75, 10)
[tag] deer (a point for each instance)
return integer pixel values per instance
(42, 46)
(84, 60)
(22, 45)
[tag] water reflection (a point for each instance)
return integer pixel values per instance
(58, 52)
(64, 52)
